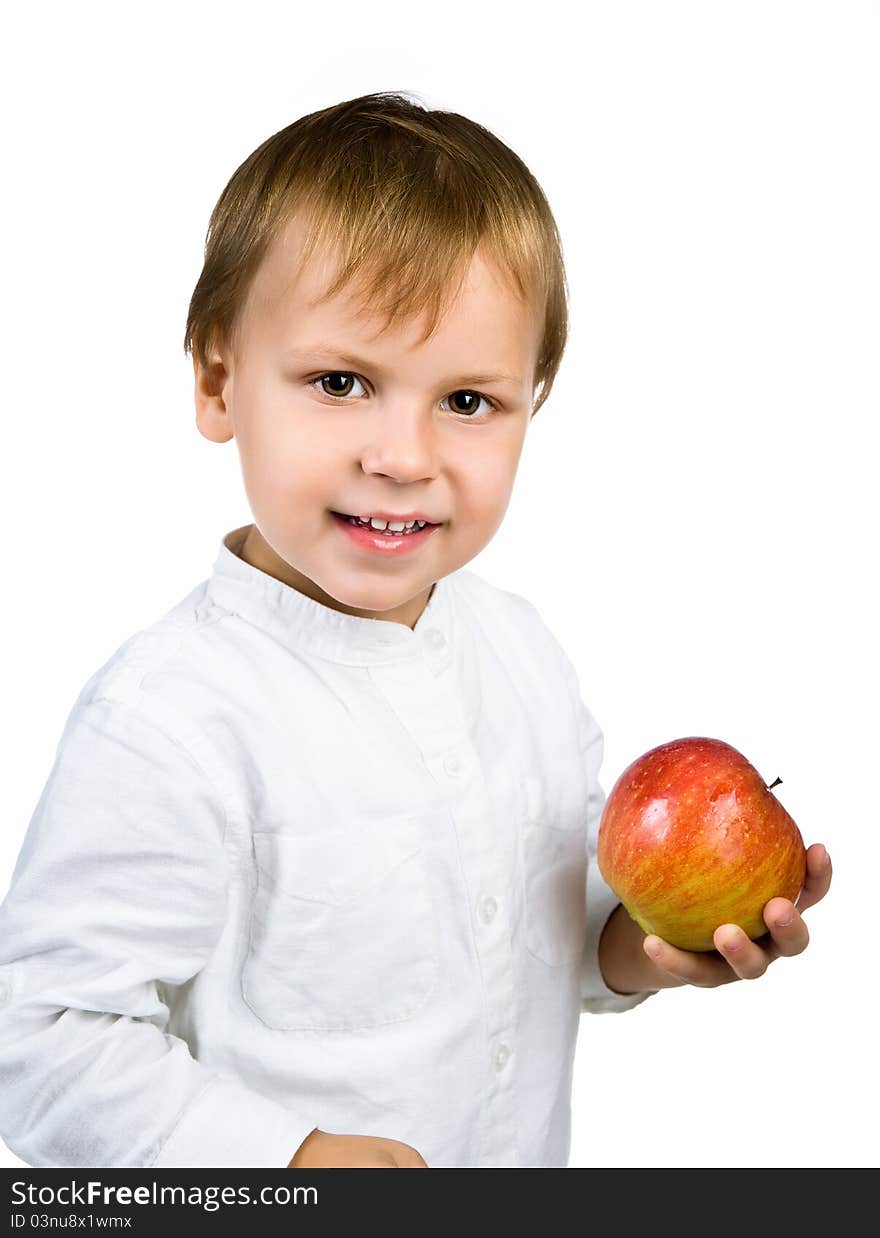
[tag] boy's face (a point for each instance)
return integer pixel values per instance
(406, 428)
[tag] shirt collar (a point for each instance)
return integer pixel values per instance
(301, 623)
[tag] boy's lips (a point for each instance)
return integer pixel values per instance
(384, 541)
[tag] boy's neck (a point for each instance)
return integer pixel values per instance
(256, 551)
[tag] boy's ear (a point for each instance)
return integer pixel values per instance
(212, 415)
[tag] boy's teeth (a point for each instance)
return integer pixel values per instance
(393, 526)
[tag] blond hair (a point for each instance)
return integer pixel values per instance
(404, 195)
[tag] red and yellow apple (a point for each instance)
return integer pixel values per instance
(691, 838)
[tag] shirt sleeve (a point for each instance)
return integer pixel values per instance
(596, 997)
(120, 887)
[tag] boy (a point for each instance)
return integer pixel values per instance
(312, 880)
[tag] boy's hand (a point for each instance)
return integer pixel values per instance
(321, 1150)
(742, 959)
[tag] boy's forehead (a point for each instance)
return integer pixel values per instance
(288, 297)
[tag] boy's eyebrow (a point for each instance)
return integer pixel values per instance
(316, 351)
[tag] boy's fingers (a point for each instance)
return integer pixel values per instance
(748, 960)
(788, 930)
(817, 878)
(702, 969)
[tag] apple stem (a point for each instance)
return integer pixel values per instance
(773, 784)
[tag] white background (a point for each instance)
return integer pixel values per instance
(695, 514)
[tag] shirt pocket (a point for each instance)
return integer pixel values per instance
(554, 862)
(342, 931)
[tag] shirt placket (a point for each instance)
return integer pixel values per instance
(426, 697)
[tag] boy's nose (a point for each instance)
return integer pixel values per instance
(402, 445)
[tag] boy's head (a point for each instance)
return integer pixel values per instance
(382, 295)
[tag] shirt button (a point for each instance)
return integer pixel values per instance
(501, 1057)
(435, 638)
(452, 765)
(488, 907)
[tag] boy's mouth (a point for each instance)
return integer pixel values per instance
(402, 527)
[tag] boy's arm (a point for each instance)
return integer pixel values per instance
(610, 979)
(120, 884)
(607, 951)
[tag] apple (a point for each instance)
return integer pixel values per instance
(691, 837)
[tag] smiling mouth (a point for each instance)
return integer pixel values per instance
(391, 534)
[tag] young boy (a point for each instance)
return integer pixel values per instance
(312, 880)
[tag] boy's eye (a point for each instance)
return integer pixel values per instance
(467, 400)
(335, 375)
(471, 399)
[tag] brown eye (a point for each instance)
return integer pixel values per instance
(334, 376)
(468, 402)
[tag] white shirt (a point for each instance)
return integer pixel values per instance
(296, 868)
